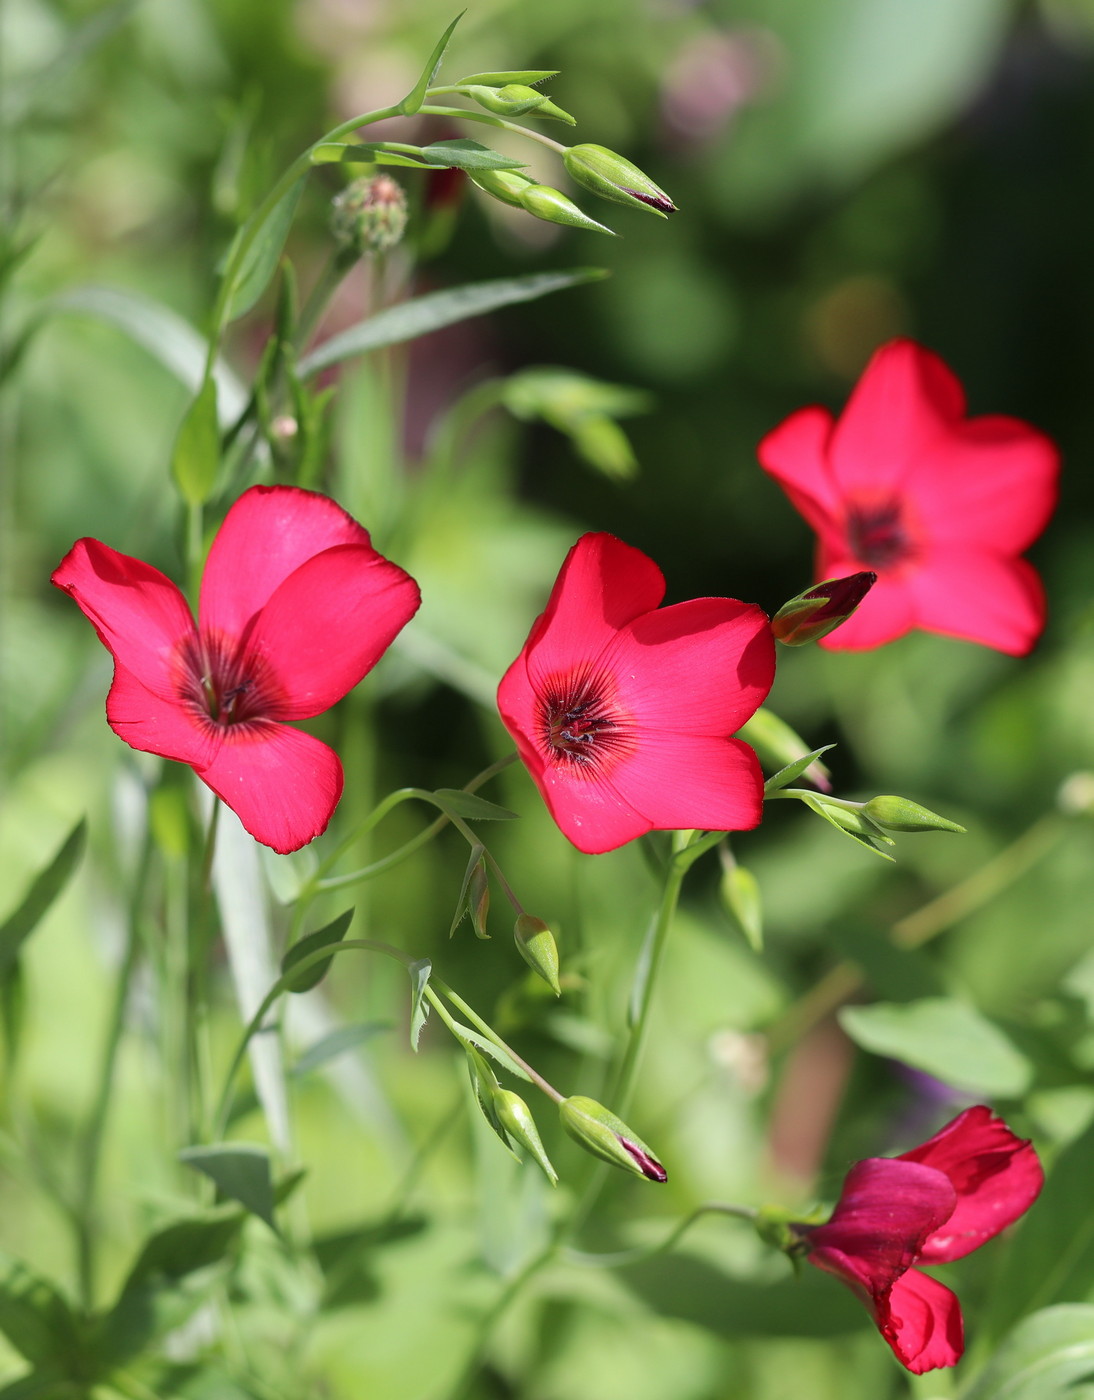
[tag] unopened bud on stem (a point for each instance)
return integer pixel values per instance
(608, 1137)
(536, 945)
(612, 177)
(898, 814)
(820, 609)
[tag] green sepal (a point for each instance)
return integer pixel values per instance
(528, 76)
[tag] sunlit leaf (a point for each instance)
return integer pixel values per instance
(419, 1007)
(785, 776)
(412, 102)
(465, 154)
(44, 889)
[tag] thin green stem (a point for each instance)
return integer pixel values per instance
(328, 282)
(511, 1290)
(462, 114)
(495, 1039)
(620, 1258)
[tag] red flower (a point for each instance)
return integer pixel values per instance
(938, 505)
(623, 712)
(296, 606)
(931, 1205)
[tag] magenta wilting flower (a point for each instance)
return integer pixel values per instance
(623, 711)
(938, 505)
(931, 1205)
(296, 607)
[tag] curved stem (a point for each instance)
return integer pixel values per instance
(492, 1035)
(620, 1258)
(462, 114)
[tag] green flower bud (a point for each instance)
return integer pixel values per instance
(515, 75)
(898, 814)
(506, 185)
(552, 205)
(536, 945)
(612, 177)
(821, 609)
(369, 215)
(851, 816)
(513, 100)
(740, 891)
(515, 1117)
(608, 1137)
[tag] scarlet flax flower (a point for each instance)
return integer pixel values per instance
(938, 505)
(296, 607)
(933, 1204)
(623, 711)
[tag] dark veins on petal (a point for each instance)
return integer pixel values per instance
(578, 723)
(224, 685)
(877, 534)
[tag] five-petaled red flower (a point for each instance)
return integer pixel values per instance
(623, 711)
(938, 505)
(296, 607)
(931, 1205)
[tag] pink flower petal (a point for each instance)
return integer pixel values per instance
(701, 667)
(996, 1175)
(981, 597)
(886, 613)
(887, 1208)
(139, 614)
(282, 784)
(796, 455)
(153, 725)
(602, 585)
(590, 811)
(680, 781)
(921, 1320)
(905, 400)
(268, 533)
(328, 624)
(989, 482)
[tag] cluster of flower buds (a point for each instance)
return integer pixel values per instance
(369, 215)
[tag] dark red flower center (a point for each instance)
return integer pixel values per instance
(222, 683)
(579, 723)
(878, 534)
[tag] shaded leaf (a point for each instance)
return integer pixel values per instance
(34, 1316)
(466, 805)
(423, 314)
(364, 153)
(473, 859)
(336, 1043)
(1044, 1358)
(944, 1037)
(741, 895)
(239, 1171)
(35, 904)
(196, 457)
(465, 154)
(314, 973)
(251, 278)
(412, 102)
(419, 1008)
(489, 1048)
(785, 776)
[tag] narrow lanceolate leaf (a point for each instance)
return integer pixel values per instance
(337, 1042)
(34, 1317)
(419, 1007)
(44, 889)
(428, 313)
(196, 457)
(458, 803)
(412, 102)
(252, 272)
(1047, 1357)
(363, 153)
(496, 1053)
(527, 76)
(240, 1172)
(785, 776)
(741, 895)
(314, 973)
(464, 154)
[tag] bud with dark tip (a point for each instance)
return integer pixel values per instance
(820, 609)
(536, 945)
(898, 814)
(369, 215)
(608, 1137)
(612, 177)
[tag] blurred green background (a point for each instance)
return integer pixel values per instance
(846, 171)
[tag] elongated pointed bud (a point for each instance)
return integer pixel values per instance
(515, 1117)
(820, 609)
(552, 205)
(608, 1137)
(512, 100)
(506, 185)
(849, 815)
(612, 177)
(740, 891)
(478, 900)
(898, 814)
(536, 945)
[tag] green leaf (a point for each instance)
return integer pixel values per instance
(34, 1316)
(1050, 1258)
(240, 1172)
(946, 1038)
(785, 776)
(44, 889)
(866, 835)
(196, 457)
(740, 892)
(467, 806)
(1044, 1358)
(364, 153)
(476, 854)
(47, 1383)
(428, 313)
(412, 102)
(165, 335)
(336, 1043)
(465, 154)
(419, 1007)
(314, 973)
(253, 275)
(485, 1083)
(496, 1053)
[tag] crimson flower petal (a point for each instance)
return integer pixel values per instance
(328, 624)
(701, 667)
(981, 597)
(796, 455)
(139, 614)
(887, 1208)
(603, 584)
(681, 781)
(996, 1175)
(153, 725)
(905, 401)
(282, 784)
(921, 1320)
(268, 533)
